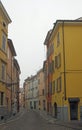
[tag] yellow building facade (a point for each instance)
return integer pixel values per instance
(4, 21)
(67, 70)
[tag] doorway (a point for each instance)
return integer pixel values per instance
(55, 110)
(74, 111)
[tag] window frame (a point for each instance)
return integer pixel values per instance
(4, 41)
(58, 39)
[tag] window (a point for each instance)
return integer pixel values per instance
(43, 92)
(4, 38)
(1, 98)
(44, 105)
(52, 66)
(3, 71)
(50, 88)
(56, 84)
(59, 84)
(4, 24)
(58, 61)
(55, 61)
(53, 87)
(58, 39)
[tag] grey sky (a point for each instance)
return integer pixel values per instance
(31, 20)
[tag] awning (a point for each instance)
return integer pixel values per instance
(73, 100)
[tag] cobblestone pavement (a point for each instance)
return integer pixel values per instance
(77, 125)
(32, 120)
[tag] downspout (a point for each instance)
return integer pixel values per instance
(64, 61)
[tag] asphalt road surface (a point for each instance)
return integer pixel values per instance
(31, 120)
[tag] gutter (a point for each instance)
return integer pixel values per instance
(64, 61)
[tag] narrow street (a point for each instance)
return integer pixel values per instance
(31, 120)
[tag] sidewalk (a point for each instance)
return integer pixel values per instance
(74, 124)
(12, 118)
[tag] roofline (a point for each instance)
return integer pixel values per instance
(5, 12)
(10, 43)
(17, 65)
(41, 70)
(69, 21)
(63, 22)
(79, 20)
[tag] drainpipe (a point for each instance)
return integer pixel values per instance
(64, 61)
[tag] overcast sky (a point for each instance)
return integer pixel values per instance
(31, 20)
